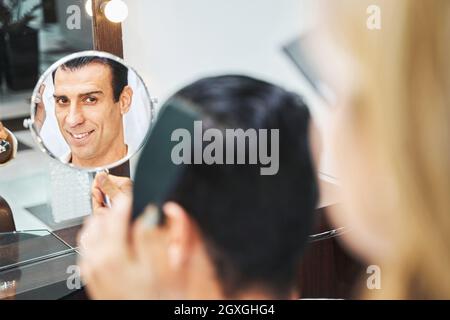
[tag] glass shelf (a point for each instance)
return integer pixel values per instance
(25, 247)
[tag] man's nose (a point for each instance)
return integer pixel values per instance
(75, 116)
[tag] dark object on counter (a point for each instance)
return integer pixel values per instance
(6, 217)
(5, 151)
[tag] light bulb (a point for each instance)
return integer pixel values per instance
(116, 11)
(88, 7)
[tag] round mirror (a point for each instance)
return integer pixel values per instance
(91, 111)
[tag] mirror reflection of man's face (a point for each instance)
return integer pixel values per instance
(88, 117)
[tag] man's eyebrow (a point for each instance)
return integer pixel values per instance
(90, 92)
(80, 95)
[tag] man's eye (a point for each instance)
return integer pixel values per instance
(62, 101)
(90, 100)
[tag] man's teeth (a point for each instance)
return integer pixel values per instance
(81, 135)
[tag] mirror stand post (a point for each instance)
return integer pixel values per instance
(122, 171)
(107, 35)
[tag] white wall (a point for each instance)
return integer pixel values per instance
(173, 42)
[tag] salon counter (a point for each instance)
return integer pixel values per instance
(37, 265)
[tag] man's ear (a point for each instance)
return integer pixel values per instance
(125, 99)
(182, 234)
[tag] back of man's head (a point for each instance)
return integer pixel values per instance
(255, 226)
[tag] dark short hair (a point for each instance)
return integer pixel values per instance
(119, 72)
(255, 226)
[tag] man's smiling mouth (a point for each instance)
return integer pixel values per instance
(80, 137)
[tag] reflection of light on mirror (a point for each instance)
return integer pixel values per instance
(88, 7)
(116, 11)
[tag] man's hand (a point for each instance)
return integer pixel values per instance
(111, 186)
(106, 262)
(114, 260)
(39, 116)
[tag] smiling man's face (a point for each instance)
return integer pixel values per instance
(88, 117)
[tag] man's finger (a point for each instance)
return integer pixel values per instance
(123, 183)
(41, 89)
(121, 213)
(97, 199)
(106, 185)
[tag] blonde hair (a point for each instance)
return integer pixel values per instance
(401, 108)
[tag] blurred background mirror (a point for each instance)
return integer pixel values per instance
(36, 33)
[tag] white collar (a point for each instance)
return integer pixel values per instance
(67, 157)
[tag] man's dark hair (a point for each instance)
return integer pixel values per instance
(255, 226)
(119, 72)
